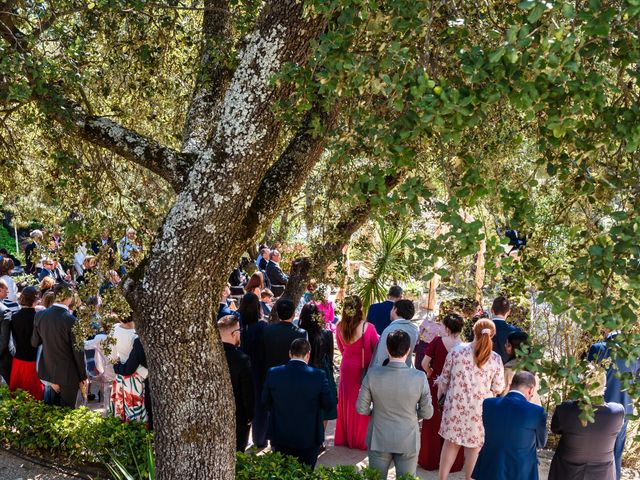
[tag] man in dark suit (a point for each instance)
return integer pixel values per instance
(295, 394)
(5, 334)
(514, 428)
(105, 240)
(241, 380)
(379, 314)
(31, 254)
(500, 310)
(586, 452)
(47, 269)
(61, 363)
(277, 338)
(274, 272)
(615, 390)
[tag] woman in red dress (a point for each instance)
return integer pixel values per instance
(433, 362)
(357, 339)
(23, 371)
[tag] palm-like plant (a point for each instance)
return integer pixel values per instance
(145, 471)
(387, 263)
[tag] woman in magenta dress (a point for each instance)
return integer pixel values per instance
(357, 339)
(321, 296)
(435, 354)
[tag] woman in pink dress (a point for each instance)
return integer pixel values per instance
(357, 339)
(472, 372)
(321, 296)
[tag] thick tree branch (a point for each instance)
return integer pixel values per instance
(213, 78)
(104, 132)
(338, 236)
(287, 175)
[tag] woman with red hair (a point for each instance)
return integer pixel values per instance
(472, 372)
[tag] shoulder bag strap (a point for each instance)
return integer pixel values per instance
(363, 325)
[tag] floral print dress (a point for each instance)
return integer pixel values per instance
(467, 386)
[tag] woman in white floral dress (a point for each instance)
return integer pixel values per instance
(471, 373)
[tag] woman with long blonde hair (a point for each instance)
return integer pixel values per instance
(472, 372)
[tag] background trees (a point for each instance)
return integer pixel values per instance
(203, 121)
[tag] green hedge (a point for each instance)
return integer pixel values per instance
(77, 437)
(276, 466)
(8, 241)
(82, 437)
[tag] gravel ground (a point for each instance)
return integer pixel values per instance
(15, 468)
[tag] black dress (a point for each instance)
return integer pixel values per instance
(322, 359)
(22, 329)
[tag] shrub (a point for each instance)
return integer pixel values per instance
(78, 436)
(82, 437)
(7, 241)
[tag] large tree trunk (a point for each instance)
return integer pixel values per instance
(176, 298)
(229, 167)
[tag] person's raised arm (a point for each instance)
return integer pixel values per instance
(135, 360)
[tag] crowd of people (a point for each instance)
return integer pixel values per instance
(414, 394)
(39, 351)
(410, 392)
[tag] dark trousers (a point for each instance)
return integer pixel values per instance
(242, 436)
(307, 456)
(260, 419)
(65, 398)
(619, 448)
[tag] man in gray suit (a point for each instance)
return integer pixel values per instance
(5, 333)
(61, 363)
(400, 397)
(401, 315)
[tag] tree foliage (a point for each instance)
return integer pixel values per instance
(480, 117)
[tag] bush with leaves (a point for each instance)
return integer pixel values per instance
(76, 436)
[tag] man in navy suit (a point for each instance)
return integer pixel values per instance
(500, 310)
(514, 428)
(274, 272)
(295, 394)
(379, 314)
(616, 392)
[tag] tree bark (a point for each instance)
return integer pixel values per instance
(226, 170)
(177, 297)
